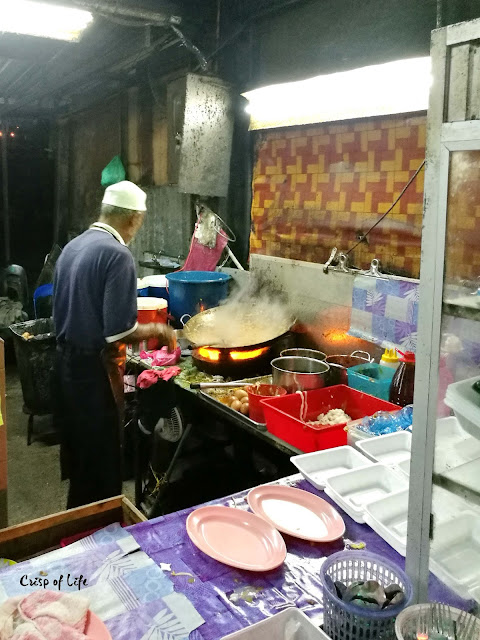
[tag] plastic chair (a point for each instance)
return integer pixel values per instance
(44, 291)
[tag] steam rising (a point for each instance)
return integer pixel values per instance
(253, 314)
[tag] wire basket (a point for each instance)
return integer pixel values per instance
(406, 625)
(346, 621)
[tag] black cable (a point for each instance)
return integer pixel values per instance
(364, 235)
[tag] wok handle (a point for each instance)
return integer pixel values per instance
(185, 315)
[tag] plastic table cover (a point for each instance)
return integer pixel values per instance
(229, 599)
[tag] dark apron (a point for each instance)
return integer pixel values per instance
(89, 415)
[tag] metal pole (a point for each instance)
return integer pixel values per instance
(115, 9)
(6, 212)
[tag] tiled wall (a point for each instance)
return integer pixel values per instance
(316, 187)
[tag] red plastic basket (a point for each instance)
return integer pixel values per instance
(283, 415)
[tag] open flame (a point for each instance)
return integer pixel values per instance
(214, 355)
(209, 354)
(248, 355)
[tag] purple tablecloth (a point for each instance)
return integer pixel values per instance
(229, 599)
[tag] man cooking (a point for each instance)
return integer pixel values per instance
(95, 316)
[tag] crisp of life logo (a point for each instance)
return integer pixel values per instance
(43, 582)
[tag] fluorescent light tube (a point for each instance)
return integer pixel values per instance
(402, 86)
(43, 20)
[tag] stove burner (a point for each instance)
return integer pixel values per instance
(233, 362)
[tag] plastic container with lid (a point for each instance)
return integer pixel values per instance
(371, 378)
(401, 389)
(151, 310)
(390, 359)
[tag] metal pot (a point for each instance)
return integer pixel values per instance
(299, 374)
(304, 353)
(339, 365)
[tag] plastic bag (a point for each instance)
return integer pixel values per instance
(114, 172)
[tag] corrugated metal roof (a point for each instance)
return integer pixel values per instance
(38, 74)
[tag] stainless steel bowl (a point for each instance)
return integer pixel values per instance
(295, 373)
(304, 353)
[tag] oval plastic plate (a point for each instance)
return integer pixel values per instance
(95, 629)
(296, 512)
(237, 538)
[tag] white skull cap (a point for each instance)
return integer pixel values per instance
(126, 195)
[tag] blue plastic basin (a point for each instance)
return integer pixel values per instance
(193, 291)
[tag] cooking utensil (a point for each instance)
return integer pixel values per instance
(339, 365)
(299, 374)
(218, 385)
(304, 353)
(243, 327)
(297, 513)
(422, 625)
(442, 621)
(235, 537)
(465, 626)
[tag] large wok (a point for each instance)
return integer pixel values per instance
(236, 326)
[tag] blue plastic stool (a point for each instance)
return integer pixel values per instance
(43, 291)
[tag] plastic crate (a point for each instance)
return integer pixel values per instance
(371, 378)
(35, 360)
(346, 621)
(282, 415)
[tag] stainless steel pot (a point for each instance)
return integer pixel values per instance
(305, 353)
(294, 373)
(339, 365)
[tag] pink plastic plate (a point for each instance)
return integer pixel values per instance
(237, 538)
(95, 628)
(297, 513)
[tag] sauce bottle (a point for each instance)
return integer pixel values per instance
(401, 390)
(390, 359)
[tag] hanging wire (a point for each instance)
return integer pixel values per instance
(364, 235)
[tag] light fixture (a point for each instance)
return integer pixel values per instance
(402, 86)
(43, 20)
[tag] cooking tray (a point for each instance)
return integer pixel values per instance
(236, 326)
(231, 412)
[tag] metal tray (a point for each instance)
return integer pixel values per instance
(231, 413)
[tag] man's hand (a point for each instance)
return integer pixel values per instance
(162, 332)
(166, 336)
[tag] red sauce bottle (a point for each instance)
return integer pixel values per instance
(401, 389)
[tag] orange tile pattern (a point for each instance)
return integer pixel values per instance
(318, 187)
(462, 260)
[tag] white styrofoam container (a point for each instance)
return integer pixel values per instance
(453, 445)
(390, 449)
(404, 467)
(388, 517)
(355, 435)
(353, 490)
(316, 467)
(290, 624)
(465, 402)
(455, 553)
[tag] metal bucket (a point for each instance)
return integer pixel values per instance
(304, 353)
(339, 365)
(299, 374)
